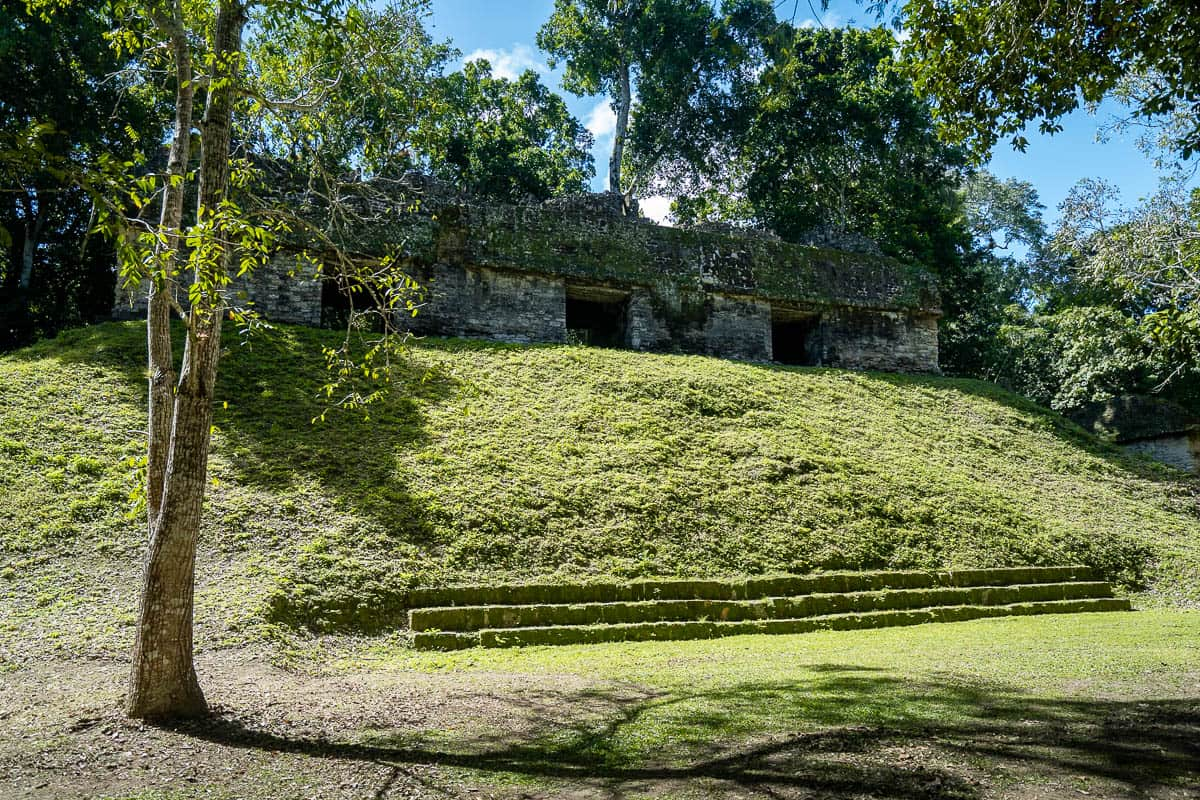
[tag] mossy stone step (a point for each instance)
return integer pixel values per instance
(735, 588)
(471, 618)
(677, 630)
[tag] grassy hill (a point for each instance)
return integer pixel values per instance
(498, 463)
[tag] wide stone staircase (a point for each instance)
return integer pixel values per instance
(547, 614)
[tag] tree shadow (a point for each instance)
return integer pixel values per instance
(284, 428)
(276, 426)
(279, 437)
(845, 732)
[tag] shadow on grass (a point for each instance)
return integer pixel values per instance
(269, 399)
(268, 441)
(269, 405)
(846, 732)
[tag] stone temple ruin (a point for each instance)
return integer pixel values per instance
(578, 270)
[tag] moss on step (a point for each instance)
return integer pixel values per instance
(668, 631)
(734, 589)
(471, 618)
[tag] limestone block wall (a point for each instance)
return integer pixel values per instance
(272, 290)
(647, 330)
(510, 272)
(738, 327)
(495, 304)
(281, 294)
(893, 341)
(1181, 451)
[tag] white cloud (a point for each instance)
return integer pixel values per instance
(830, 19)
(602, 122)
(657, 208)
(509, 63)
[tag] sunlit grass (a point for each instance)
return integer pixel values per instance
(497, 463)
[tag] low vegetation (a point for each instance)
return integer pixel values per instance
(497, 463)
(1102, 705)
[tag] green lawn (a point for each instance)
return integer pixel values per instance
(1106, 703)
(1096, 705)
(493, 462)
(500, 463)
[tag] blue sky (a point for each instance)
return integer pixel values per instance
(504, 32)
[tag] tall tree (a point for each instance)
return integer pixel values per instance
(360, 92)
(659, 61)
(507, 140)
(188, 261)
(983, 293)
(601, 43)
(1112, 303)
(827, 132)
(388, 107)
(1003, 213)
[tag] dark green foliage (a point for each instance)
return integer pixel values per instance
(1110, 304)
(63, 103)
(512, 141)
(393, 108)
(663, 64)
(828, 136)
(369, 84)
(994, 68)
(828, 133)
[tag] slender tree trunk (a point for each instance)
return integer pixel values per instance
(35, 222)
(624, 100)
(158, 315)
(163, 682)
(27, 259)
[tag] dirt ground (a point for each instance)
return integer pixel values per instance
(274, 733)
(279, 733)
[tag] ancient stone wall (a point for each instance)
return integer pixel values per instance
(274, 290)
(738, 327)
(495, 304)
(620, 251)
(891, 341)
(1181, 451)
(277, 292)
(518, 272)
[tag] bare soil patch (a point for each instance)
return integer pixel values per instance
(390, 733)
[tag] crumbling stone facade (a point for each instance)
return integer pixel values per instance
(578, 270)
(1151, 426)
(489, 303)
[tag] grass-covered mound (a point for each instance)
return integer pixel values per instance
(502, 463)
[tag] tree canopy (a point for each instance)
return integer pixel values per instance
(821, 131)
(387, 105)
(993, 68)
(508, 140)
(661, 62)
(67, 99)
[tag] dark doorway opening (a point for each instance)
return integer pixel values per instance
(337, 305)
(597, 316)
(792, 339)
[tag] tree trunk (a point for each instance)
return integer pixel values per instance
(158, 313)
(27, 259)
(35, 222)
(624, 100)
(163, 682)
